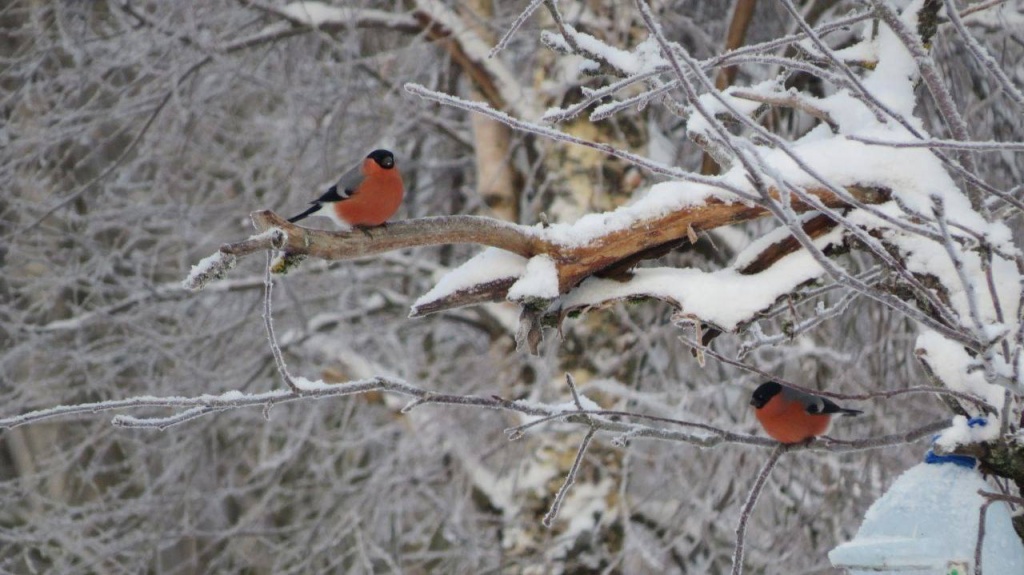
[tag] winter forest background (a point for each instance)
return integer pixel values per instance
(138, 136)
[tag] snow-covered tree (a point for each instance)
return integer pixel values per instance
(676, 201)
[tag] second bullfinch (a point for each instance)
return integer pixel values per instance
(365, 196)
(793, 416)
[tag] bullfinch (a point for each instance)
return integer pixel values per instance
(365, 196)
(793, 416)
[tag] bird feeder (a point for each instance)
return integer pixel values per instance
(927, 524)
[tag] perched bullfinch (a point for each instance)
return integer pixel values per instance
(793, 416)
(365, 196)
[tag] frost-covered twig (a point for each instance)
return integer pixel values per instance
(788, 100)
(529, 127)
(716, 435)
(982, 56)
(936, 87)
(850, 396)
(752, 53)
(516, 24)
(518, 431)
(268, 324)
(571, 382)
(947, 322)
(162, 423)
(820, 316)
(990, 498)
(952, 250)
(748, 506)
(980, 6)
(933, 143)
(556, 15)
(570, 479)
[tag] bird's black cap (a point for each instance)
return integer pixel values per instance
(764, 393)
(384, 158)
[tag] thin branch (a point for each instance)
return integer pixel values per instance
(820, 317)
(717, 435)
(162, 423)
(1001, 497)
(980, 6)
(748, 506)
(783, 211)
(849, 396)
(937, 88)
(570, 479)
(515, 433)
(788, 100)
(560, 24)
(571, 382)
(932, 143)
(990, 498)
(742, 14)
(524, 126)
(983, 57)
(516, 24)
(939, 210)
(268, 323)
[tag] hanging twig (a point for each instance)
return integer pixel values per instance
(268, 323)
(990, 498)
(748, 506)
(570, 479)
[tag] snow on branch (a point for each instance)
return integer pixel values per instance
(594, 244)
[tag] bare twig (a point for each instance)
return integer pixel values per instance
(571, 382)
(983, 57)
(268, 324)
(981, 534)
(952, 250)
(850, 396)
(990, 498)
(516, 24)
(570, 479)
(932, 143)
(748, 506)
(556, 15)
(945, 324)
(937, 87)
(788, 100)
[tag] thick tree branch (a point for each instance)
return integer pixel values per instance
(574, 262)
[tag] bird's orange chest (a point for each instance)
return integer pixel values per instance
(788, 421)
(375, 200)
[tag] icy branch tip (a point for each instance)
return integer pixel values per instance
(210, 268)
(214, 267)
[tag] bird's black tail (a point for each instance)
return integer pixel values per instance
(849, 412)
(312, 210)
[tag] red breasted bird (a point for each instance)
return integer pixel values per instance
(365, 196)
(793, 416)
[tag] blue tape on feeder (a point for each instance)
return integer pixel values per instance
(961, 460)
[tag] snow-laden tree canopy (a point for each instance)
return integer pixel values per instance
(661, 221)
